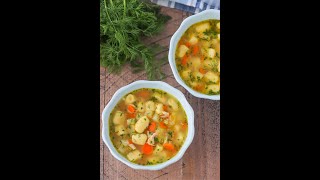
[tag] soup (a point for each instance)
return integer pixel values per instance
(198, 57)
(148, 126)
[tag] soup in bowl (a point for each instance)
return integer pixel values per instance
(147, 127)
(194, 54)
(198, 57)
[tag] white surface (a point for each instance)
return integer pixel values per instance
(147, 84)
(204, 15)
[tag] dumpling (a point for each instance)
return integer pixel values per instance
(130, 99)
(211, 77)
(142, 124)
(182, 50)
(139, 139)
(202, 27)
(134, 155)
(173, 104)
(119, 117)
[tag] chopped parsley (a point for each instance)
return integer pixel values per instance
(156, 140)
(191, 77)
(153, 99)
(135, 104)
(213, 93)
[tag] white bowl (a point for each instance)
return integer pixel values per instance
(147, 84)
(202, 16)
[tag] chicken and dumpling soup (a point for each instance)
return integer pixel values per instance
(148, 126)
(198, 57)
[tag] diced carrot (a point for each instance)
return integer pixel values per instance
(152, 127)
(131, 108)
(188, 44)
(144, 93)
(130, 141)
(168, 146)
(199, 87)
(163, 125)
(202, 71)
(184, 60)
(131, 115)
(195, 50)
(147, 149)
(165, 108)
(184, 125)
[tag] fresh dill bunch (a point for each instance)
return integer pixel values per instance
(122, 25)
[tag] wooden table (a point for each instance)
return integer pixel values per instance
(202, 158)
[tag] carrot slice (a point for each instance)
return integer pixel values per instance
(152, 127)
(184, 60)
(147, 149)
(163, 125)
(199, 87)
(195, 50)
(188, 44)
(168, 146)
(130, 141)
(202, 71)
(131, 115)
(131, 108)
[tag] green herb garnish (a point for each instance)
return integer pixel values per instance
(213, 93)
(122, 25)
(153, 99)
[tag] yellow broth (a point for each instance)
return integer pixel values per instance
(198, 57)
(148, 126)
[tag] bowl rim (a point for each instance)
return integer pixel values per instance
(174, 41)
(131, 87)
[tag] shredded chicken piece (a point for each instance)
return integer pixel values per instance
(125, 142)
(166, 139)
(132, 146)
(149, 134)
(164, 114)
(151, 139)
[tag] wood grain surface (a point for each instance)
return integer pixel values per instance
(202, 158)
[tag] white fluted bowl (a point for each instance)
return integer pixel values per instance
(191, 20)
(147, 84)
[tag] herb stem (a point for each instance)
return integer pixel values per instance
(124, 8)
(105, 6)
